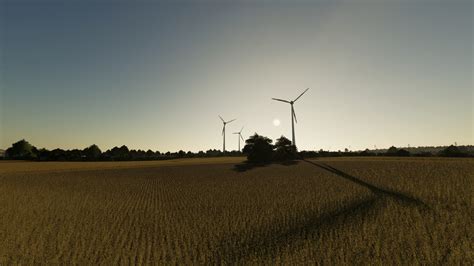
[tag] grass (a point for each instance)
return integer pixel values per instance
(332, 211)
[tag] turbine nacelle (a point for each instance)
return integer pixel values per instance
(240, 136)
(223, 130)
(293, 114)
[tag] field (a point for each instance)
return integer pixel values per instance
(206, 211)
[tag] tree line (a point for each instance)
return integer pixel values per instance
(258, 149)
(23, 150)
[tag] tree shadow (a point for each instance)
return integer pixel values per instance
(246, 166)
(268, 243)
(398, 196)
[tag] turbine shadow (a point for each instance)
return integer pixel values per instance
(269, 242)
(401, 197)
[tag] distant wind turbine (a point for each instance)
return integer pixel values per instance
(240, 136)
(293, 115)
(223, 131)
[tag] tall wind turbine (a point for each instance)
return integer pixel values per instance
(223, 131)
(293, 115)
(240, 136)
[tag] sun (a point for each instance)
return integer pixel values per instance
(276, 122)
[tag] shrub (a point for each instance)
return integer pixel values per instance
(452, 151)
(285, 150)
(92, 152)
(21, 150)
(259, 149)
(403, 153)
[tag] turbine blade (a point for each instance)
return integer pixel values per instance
(241, 130)
(222, 119)
(223, 129)
(241, 137)
(276, 99)
(235, 133)
(294, 114)
(301, 94)
(231, 121)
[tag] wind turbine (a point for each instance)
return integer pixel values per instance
(223, 130)
(293, 115)
(240, 136)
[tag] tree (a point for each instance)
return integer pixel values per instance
(392, 151)
(452, 151)
(74, 155)
(57, 155)
(403, 152)
(137, 154)
(285, 150)
(21, 150)
(259, 149)
(116, 153)
(92, 152)
(44, 155)
(366, 152)
(181, 154)
(213, 153)
(150, 154)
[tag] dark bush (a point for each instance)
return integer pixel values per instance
(21, 150)
(118, 154)
(258, 149)
(366, 152)
(403, 153)
(284, 150)
(92, 152)
(392, 151)
(452, 151)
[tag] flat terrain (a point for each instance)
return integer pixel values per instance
(206, 211)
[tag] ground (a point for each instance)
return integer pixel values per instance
(208, 211)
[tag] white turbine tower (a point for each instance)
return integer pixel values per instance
(293, 115)
(240, 136)
(223, 131)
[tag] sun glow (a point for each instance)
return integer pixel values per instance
(276, 122)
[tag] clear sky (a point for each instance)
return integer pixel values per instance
(156, 75)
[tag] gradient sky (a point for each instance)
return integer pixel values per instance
(156, 75)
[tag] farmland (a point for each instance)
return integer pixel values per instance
(206, 211)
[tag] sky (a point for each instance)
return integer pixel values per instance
(156, 74)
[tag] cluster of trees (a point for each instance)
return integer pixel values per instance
(258, 149)
(431, 150)
(23, 150)
(454, 151)
(451, 151)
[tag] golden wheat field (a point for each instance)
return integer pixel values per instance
(207, 211)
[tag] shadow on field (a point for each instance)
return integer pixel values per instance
(268, 243)
(275, 238)
(246, 166)
(400, 197)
